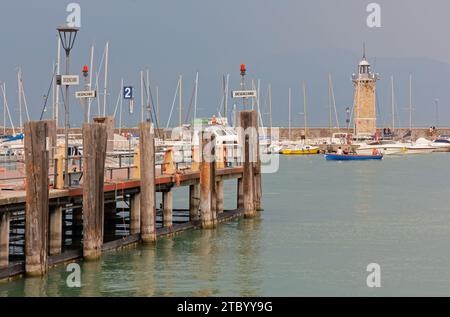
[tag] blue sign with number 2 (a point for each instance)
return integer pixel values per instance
(127, 92)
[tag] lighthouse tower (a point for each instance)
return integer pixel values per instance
(364, 82)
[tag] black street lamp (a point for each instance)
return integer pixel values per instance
(67, 35)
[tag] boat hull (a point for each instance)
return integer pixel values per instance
(299, 152)
(335, 157)
(384, 150)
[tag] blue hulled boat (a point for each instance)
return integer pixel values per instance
(352, 157)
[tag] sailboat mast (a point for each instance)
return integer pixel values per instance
(105, 89)
(392, 103)
(304, 110)
(157, 104)
(19, 86)
(195, 97)
(180, 122)
(410, 104)
(330, 124)
(270, 108)
(90, 81)
(289, 114)
(142, 96)
(121, 105)
(147, 91)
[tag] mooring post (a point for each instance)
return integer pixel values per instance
(147, 168)
(36, 210)
(194, 202)
(135, 213)
(167, 198)
(240, 193)
(207, 183)
(94, 155)
(257, 168)
(219, 194)
(4, 239)
(109, 122)
(55, 243)
(247, 137)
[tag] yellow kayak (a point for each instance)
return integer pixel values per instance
(302, 151)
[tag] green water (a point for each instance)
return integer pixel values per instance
(323, 223)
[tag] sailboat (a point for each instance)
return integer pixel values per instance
(300, 149)
(421, 146)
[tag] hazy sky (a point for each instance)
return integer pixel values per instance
(282, 42)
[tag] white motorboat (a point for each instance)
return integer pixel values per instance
(385, 147)
(421, 146)
(441, 145)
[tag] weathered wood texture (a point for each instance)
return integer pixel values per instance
(55, 242)
(37, 212)
(167, 198)
(240, 193)
(248, 138)
(135, 213)
(207, 183)
(94, 155)
(147, 168)
(219, 195)
(4, 239)
(109, 122)
(194, 202)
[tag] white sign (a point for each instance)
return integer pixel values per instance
(243, 93)
(69, 80)
(74, 17)
(86, 94)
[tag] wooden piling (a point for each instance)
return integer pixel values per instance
(36, 211)
(248, 138)
(194, 202)
(167, 198)
(147, 168)
(109, 122)
(219, 195)
(240, 193)
(207, 183)
(55, 242)
(94, 155)
(4, 240)
(135, 213)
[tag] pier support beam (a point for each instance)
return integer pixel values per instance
(194, 202)
(207, 182)
(248, 137)
(167, 198)
(219, 195)
(135, 213)
(94, 155)
(36, 211)
(240, 193)
(55, 243)
(4, 240)
(147, 168)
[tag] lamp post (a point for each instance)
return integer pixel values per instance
(67, 35)
(243, 72)
(347, 111)
(86, 88)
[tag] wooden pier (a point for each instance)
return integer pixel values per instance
(46, 224)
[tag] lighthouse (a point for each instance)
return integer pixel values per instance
(364, 82)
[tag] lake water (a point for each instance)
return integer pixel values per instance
(323, 223)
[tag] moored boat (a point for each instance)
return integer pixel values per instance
(351, 157)
(304, 150)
